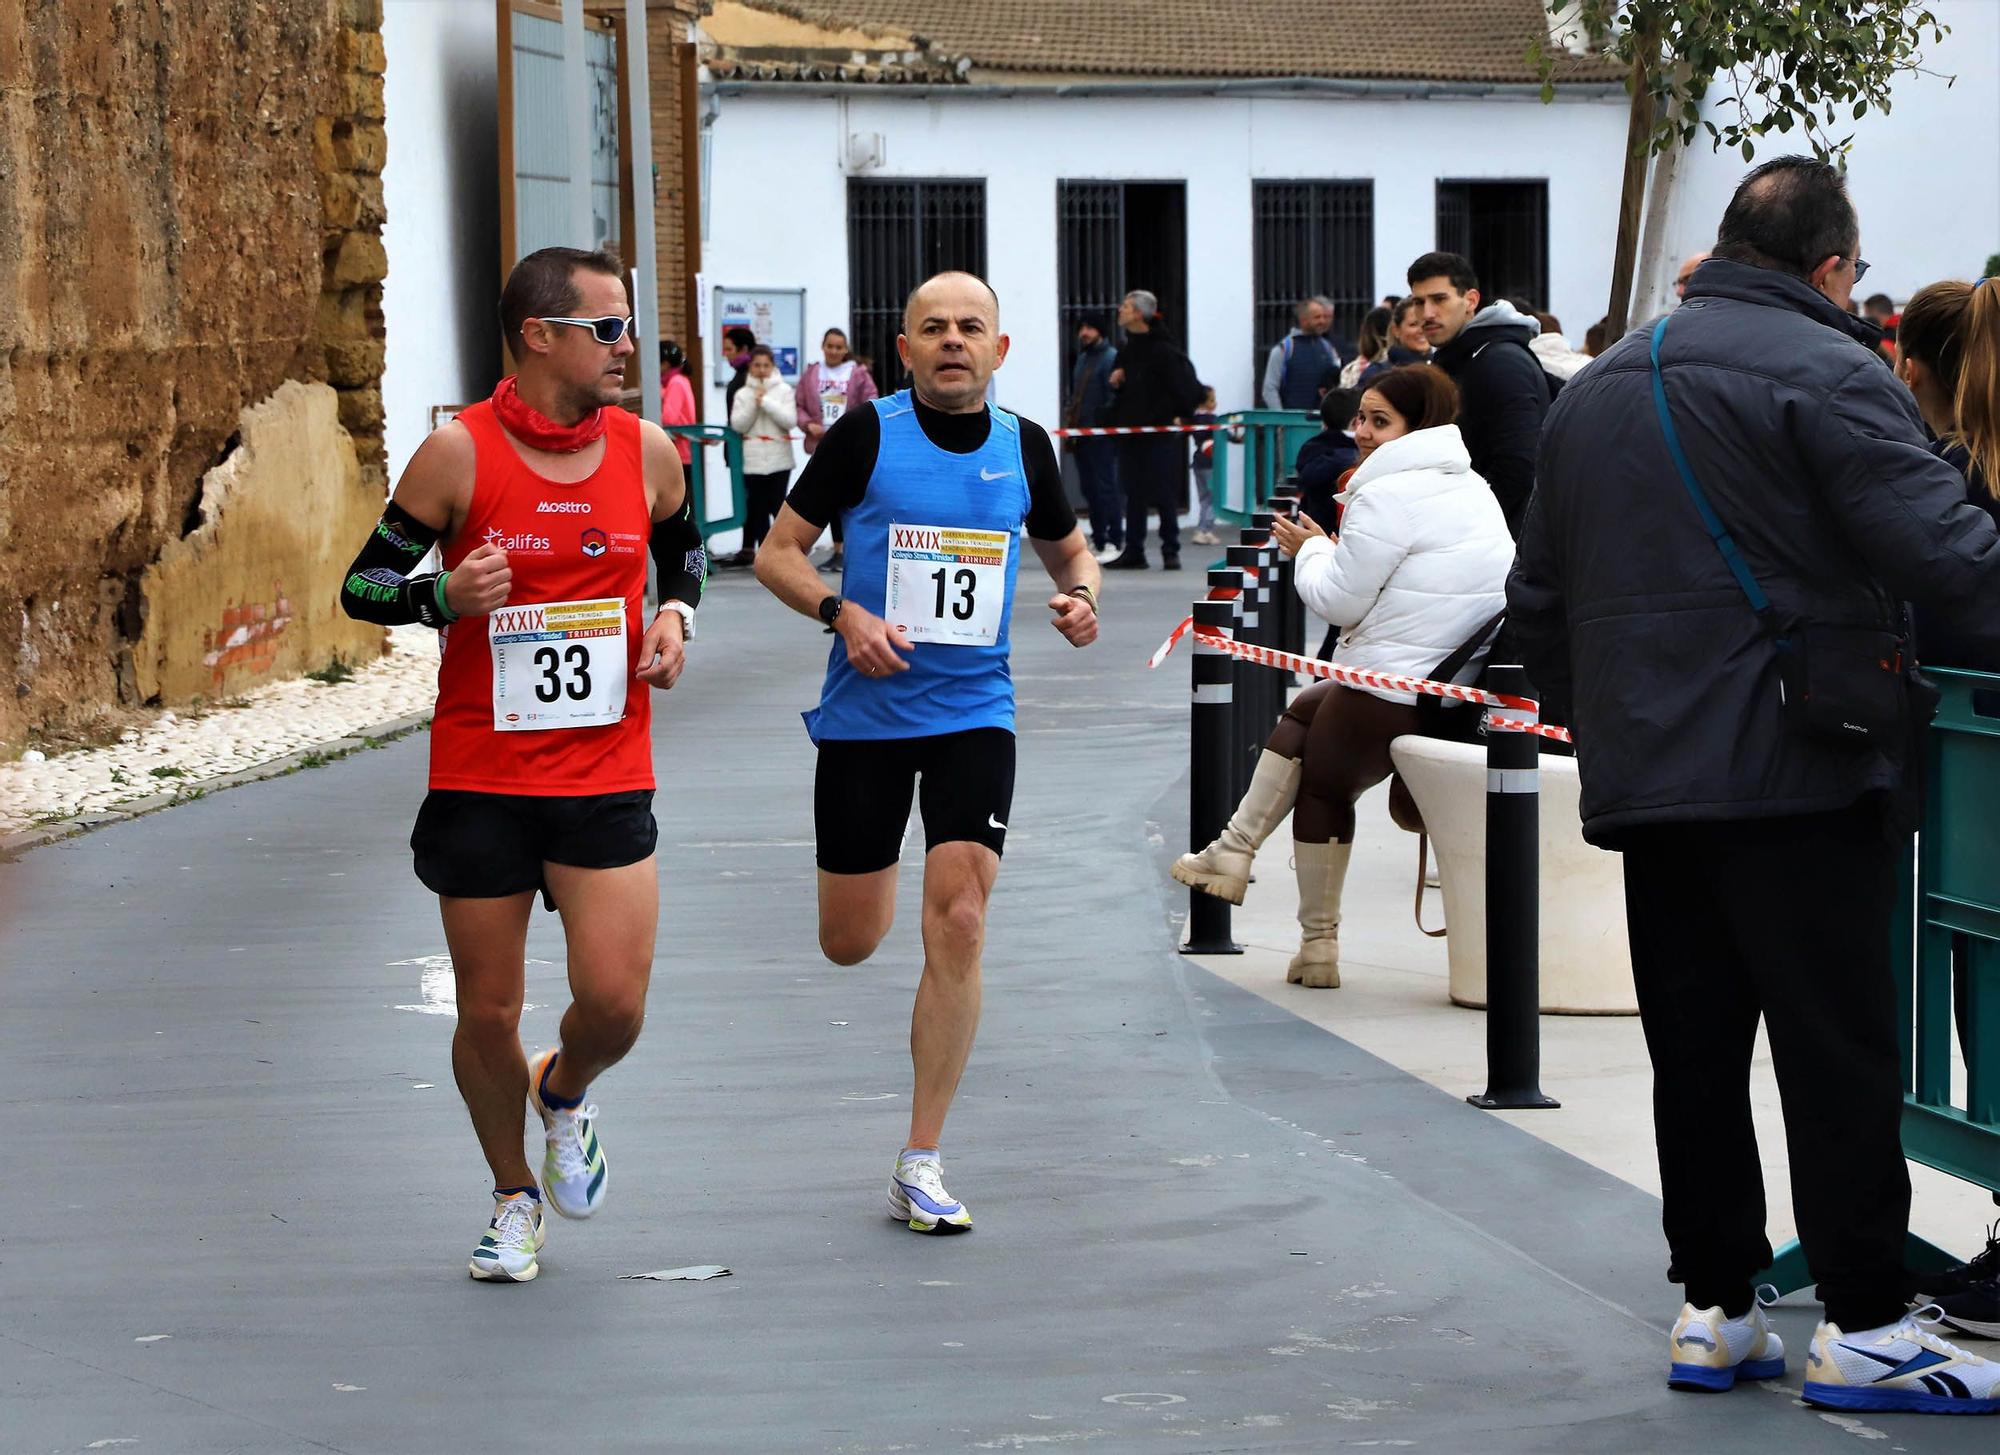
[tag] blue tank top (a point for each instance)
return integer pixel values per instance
(956, 525)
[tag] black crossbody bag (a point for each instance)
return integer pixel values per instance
(1852, 685)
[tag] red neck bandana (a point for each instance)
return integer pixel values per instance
(536, 430)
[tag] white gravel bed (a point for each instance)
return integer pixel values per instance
(181, 751)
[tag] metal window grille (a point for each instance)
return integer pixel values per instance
(1112, 237)
(1503, 229)
(899, 233)
(1311, 238)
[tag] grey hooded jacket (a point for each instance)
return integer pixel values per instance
(1625, 615)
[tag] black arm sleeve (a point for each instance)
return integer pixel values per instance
(1049, 515)
(379, 587)
(680, 555)
(836, 476)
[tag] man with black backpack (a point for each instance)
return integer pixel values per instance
(1731, 506)
(1503, 393)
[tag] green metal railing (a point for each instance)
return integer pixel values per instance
(700, 437)
(1947, 958)
(1257, 450)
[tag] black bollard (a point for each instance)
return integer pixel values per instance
(1212, 791)
(1513, 909)
(1228, 578)
(1271, 615)
(1256, 726)
(1291, 611)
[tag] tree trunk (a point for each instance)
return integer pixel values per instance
(1654, 274)
(1632, 196)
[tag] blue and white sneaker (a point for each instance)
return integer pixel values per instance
(917, 1197)
(507, 1253)
(1710, 1351)
(574, 1175)
(1903, 1366)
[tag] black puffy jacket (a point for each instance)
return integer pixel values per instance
(1814, 457)
(1503, 396)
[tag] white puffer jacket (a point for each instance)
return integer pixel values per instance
(1421, 562)
(766, 429)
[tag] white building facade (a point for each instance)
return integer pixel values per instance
(781, 156)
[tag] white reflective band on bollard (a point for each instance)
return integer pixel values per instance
(1512, 780)
(1213, 692)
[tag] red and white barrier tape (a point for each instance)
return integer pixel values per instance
(1361, 677)
(1091, 433)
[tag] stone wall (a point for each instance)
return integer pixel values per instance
(190, 214)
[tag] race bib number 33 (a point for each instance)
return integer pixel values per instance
(560, 664)
(947, 584)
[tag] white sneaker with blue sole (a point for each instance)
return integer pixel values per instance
(1901, 1367)
(917, 1197)
(1711, 1351)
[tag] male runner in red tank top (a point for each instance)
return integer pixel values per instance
(545, 502)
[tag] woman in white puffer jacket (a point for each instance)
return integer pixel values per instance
(765, 414)
(1420, 565)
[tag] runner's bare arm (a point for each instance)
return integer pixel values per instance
(678, 557)
(429, 505)
(787, 572)
(1078, 578)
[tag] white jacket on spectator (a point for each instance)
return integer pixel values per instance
(766, 428)
(1421, 562)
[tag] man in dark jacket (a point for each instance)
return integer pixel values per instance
(1502, 392)
(1760, 863)
(1155, 385)
(1096, 461)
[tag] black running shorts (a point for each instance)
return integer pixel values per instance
(490, 845)
(862, 791)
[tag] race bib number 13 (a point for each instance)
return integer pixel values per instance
(560, 664)
(947, 584)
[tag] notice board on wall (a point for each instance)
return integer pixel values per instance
(776, 315)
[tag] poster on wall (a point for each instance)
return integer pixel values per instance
(776, 315)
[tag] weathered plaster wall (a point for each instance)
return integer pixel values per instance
(190, 216)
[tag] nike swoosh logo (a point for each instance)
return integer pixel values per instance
(994, 823)
(986, 474)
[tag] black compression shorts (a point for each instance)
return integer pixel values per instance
(862, 791)
(490, 845)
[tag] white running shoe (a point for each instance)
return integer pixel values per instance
(574, 1175)
(1903, 1366)
(917, 1197)
(1711, 1351)
(507, 1253)
(1110, 553)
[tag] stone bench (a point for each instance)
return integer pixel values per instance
(1586, 963)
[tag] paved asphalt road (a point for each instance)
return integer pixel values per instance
(241, 1189)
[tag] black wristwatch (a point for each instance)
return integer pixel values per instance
(830, 608)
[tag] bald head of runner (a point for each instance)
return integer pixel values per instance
(951, 341)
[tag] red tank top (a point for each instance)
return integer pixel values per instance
(571, 544)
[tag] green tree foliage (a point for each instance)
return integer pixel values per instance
(1814, 66)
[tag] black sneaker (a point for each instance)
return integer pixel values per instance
(1976, 1309)
(1127, 562)
(1170, 563)
(1983, 1269)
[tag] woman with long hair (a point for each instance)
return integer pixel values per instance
(1419, 565)
(1948, 352)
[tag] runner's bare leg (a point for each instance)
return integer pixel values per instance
(488, 943)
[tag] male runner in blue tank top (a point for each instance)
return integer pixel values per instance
(933, 487)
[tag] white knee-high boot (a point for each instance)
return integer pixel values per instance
(1223, 868)
(1322, 871)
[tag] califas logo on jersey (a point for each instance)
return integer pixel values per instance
(517, 541)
